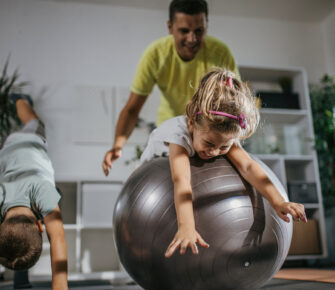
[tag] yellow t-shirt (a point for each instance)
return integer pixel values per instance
(177, 79)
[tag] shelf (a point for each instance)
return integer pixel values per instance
(282, 135)
(298, 158)
(287, 115)
(267, 74)
(97, 227)
(299, 170)
(287, 158)
(303, 257)
(269, 157)
(87, 208)
(70, 227)
(311, 206)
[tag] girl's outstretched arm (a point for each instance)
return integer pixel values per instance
(186, 236)
(256, 176)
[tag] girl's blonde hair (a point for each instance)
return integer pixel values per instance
(219, 90)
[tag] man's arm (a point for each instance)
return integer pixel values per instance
(58, 252)
(125, 126)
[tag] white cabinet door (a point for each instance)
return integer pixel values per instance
(98, 201)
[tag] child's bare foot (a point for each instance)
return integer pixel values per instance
(15, 97)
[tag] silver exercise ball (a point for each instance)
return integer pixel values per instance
(248, 241)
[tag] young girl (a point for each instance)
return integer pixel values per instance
(221, 113)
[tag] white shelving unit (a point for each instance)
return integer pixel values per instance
(87, 209)
(284, 141)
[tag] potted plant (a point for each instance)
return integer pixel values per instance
(8, 116)
(323, 108)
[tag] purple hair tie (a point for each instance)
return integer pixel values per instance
(241, 118)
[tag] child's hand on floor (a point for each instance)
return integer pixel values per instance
(184, 238)
(296, 210)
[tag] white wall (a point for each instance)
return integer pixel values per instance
(328, 29)
(59, 45)
(273, 43)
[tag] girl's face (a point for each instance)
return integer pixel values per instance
(211, 143)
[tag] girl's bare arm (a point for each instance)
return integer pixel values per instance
(256, 176)
(186, 236)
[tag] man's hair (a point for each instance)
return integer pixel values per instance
(20, 242)
(190, 7)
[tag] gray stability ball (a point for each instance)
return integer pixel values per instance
(248, 241)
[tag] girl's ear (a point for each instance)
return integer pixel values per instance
(190, 125)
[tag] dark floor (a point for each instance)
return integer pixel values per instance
(274, 284)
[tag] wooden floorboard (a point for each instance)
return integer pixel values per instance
(304, 274)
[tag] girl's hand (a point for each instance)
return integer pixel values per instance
(296, 210)
(185, 238)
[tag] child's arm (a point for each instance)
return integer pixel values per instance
(256, 176)
(54, 227)
(186, 236)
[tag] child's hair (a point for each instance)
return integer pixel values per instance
(219, 91)
(20, 242)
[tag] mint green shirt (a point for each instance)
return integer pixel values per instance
(26, 175)
(177, 79)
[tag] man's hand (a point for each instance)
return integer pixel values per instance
(125, 125)
(110, 157)
(296, 210)
(183, 239)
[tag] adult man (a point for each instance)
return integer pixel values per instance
(175, 63)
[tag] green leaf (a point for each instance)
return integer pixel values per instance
(323, 108)
(8, 116)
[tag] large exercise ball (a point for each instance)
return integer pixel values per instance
(248, 241)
